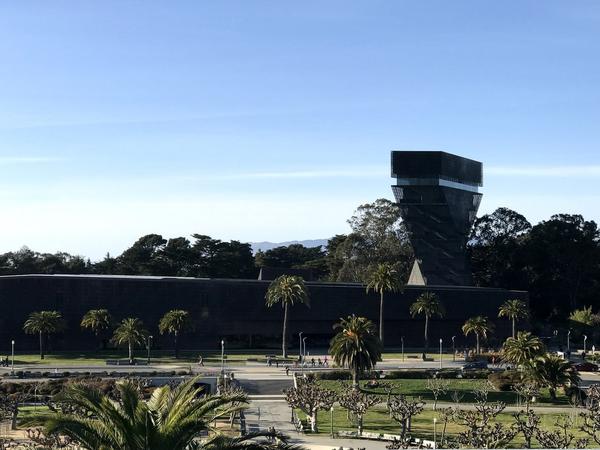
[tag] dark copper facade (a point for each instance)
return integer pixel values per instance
(438, 197)
(230, 309)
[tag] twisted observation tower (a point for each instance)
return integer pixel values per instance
(438, 195)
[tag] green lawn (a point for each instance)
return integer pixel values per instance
(98, 358)
(377, 420)
(211, 357)
(418, 388)
(33, 416)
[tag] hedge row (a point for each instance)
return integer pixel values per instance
(405, 374)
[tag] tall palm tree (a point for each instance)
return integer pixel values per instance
(381, 280)
(175, 322)
(522, 349)
(287, 290)
(97, 320)
(43, 323)
(355, 346)
(514, 310)
(130, 332)
(172, 419)
(553, 372)
(428, 305)
(479, 326)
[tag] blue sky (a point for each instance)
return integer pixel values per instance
(271, 120)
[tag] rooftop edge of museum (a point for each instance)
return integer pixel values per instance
(155, 278)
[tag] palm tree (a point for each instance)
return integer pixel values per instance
(428, 305)
(522, 349)
(130, 332)
(355, 346)
(43, 323)
(383, 279)
(172, 419)
(552, 371)
(514, 310)
(97, 320)
(287, 290)
(479, 326)
(175, 322)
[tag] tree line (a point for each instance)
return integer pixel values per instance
(557, 260)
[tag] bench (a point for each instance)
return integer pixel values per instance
(125, 362)
(380, 437)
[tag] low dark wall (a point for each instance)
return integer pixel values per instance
(232, 309)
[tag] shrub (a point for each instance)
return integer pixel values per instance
(505, 381)
(480, 374)
(334, 375)
(408, 374)
(577, 396)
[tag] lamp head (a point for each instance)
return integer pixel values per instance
(12, 342)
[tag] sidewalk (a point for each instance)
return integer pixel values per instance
(263, 415)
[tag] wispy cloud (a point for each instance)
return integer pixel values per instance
(548, 171)
(382, 171)
(8, 160)
(350, 172)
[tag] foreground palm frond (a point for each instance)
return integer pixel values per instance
(250, 441)
(171, 419)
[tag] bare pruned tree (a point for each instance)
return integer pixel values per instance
(527, 392)
(309, 397)
(527, 423)
(591, 417)
(438, 387)
(357, 403)
(479, 429)
(403, 410)
(561, 437)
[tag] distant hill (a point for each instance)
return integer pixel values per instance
(264, 246)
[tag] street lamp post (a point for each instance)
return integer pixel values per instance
(569, 340)
(453, 349)
(149, 345)
(12, 362)
(223, 359)
(304, 346)
(402, 341)
(584, 342)
(300, 349)
(331, 411)
(441, 341)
